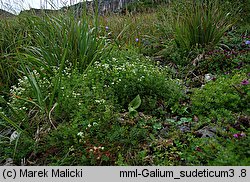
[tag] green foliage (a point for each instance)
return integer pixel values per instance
(232, 55)
(91, 101)
(14, 35)
(235, 153)
(218, 151)
(60, 42)
(62, 38)
(141, 6)
(201, 151)
(133, 105)
(106, 141)
(200, 23)
(124, 30)
(17, 149)
(225, 92)
(244, 8)
(82, 94)
(128, 75)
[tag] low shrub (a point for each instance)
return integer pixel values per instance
(129, 75)
(218, 151)
(235, 152)
(227, 92)
(91, 103)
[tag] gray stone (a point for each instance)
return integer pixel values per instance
(104, 6)
(184, 129)
(9, 162)
(206, 132)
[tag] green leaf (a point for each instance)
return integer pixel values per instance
(131, 109)
(151, 136)
(12, 123)
(185, 120)
(132, 112)
(135, 103)
(171, 120)
(157, 126)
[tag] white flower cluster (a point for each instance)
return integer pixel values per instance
(102, 101)
(96, 148)
(74, 94)
(23, 91)
(118, 70)
(93, 124)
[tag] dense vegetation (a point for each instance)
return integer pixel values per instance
(158, 85)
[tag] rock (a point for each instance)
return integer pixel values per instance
(208, 77)
(104, 6)
(242, 121)
(206, 132)
(164, 132)
(5, 14)
(184, 129)
(195, 118)
(9, 162)
(14, 136)
(113, 5)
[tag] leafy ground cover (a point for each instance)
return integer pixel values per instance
(131, 89)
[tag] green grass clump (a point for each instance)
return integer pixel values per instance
(15, 34)
(200, 23)
(60, 43)
(127, 30)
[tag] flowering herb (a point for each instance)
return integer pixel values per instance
(247, 42)
(238, 135)
(245, 82)
(137, 40)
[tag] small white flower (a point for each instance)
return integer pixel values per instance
(14, 136)
(80, 134)
(208, 77)
(79, 23)
(106, 66)
(89, 125)
(71, 148)
(102, 101)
